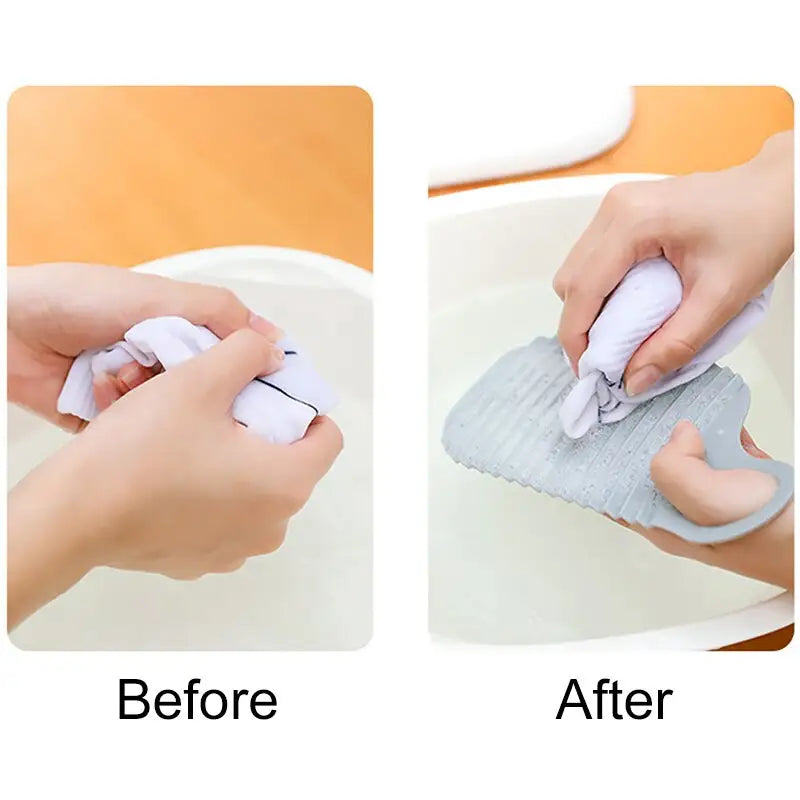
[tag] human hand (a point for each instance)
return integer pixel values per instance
(708, 496)
(163, 481)
(727, 234)
(57, 310)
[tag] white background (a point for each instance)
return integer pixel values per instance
(399, 717)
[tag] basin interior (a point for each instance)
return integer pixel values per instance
(508, 565)
(315, 591)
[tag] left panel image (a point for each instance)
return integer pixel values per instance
(189, 368)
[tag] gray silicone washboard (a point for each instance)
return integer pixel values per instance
(507, 425)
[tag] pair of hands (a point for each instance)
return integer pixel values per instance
(727, 234)
(164, 480)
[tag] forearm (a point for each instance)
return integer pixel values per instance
(46, 552)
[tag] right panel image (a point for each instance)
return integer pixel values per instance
(611, 369)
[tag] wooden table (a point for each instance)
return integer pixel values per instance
(121, 175)
(681, 129)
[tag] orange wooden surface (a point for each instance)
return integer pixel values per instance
(680, 129)
(121, 175)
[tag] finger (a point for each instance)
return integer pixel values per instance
(221, 372)
(129, 297)
(134, 374)
(699, 316)
(222, 311)
(106, 390)
(750, 446)
(621, 233)
(576, 258)
(577, 316)
(68, 422)
(319, 448)
(143, 296)
(598, 273)
(184, 573)
(702, 494)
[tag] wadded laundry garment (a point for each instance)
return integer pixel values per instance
(645, 298)
(279, 407)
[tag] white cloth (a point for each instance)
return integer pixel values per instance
(278, 407)
(645, 298)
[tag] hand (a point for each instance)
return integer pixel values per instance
(713, 497)
(163, 481)
(727, 233)
(57, 310)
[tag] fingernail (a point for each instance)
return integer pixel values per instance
(131, 375)
(128, 371)
(105, 390)
(265, 327)
(754, 450)
(278, 353)
(642, 380)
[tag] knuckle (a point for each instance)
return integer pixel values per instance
(583, 290)
(248, 339)
(229, 565)
(681, 351)
(619, 196)
(287, 495)
(636, 202)
(268, 541)
(275, 540)
(560, 282)
(225, 304)
(295, 498)
(338, 439)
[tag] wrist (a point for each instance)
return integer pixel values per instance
(766, 554)
(773, 169)
(51, 545)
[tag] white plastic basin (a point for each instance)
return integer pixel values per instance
(315, 592)
(508, 565)
(476, 132)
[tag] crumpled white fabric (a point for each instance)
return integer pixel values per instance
(278, 407)
(645, 298)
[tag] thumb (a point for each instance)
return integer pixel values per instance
(702, 494)
(221, 372)
(678, 340)
(319, 448)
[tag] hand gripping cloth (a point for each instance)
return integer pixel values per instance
(509, 425)
(646, 297)
(278, 407)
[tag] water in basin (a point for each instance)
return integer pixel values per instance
(508, 565)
